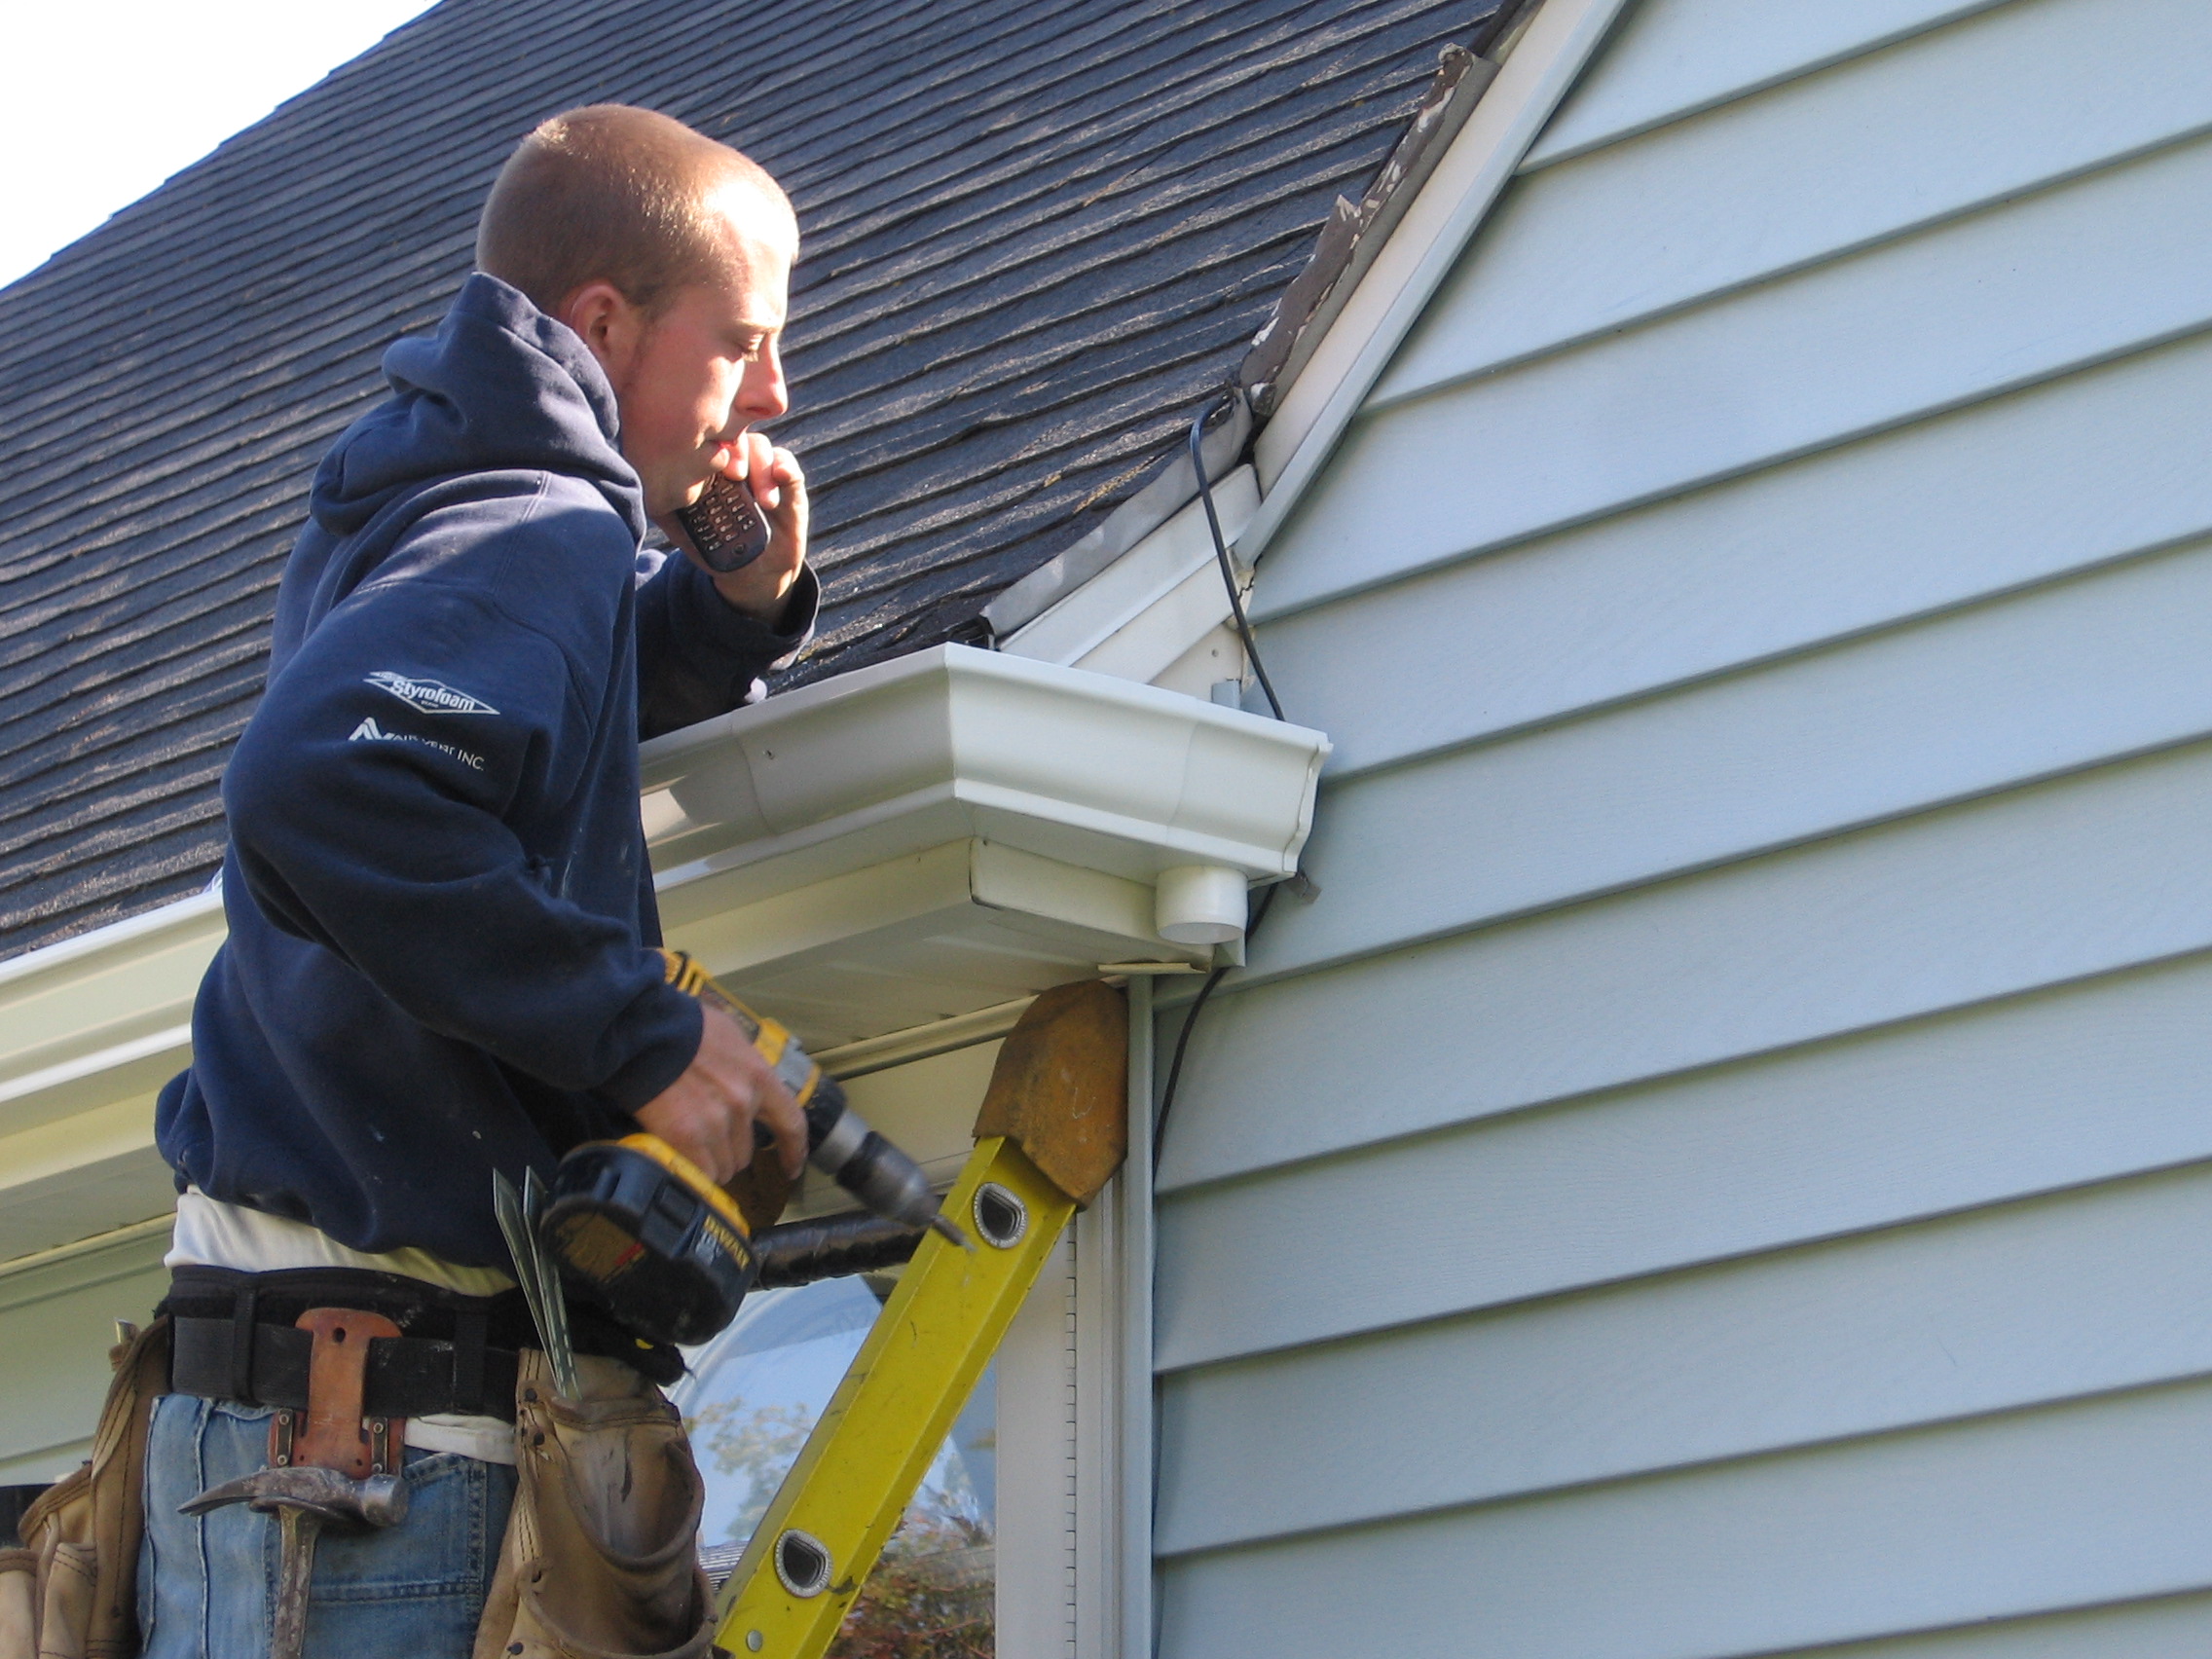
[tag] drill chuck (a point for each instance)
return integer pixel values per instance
(838, 1140)
(840, 1144)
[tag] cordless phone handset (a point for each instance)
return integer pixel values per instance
(726, 525)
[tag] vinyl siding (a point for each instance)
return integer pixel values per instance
(1724, 1166)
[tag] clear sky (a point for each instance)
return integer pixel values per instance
(102, 99)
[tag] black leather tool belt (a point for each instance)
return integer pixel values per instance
(233, 1336)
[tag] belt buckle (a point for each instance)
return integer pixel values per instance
(335, 1433)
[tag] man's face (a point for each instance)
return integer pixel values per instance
(691, 380)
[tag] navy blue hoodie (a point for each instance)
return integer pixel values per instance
(440, 910)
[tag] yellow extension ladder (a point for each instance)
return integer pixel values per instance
(1052, 1131)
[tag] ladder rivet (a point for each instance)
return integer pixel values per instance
(753, 1640)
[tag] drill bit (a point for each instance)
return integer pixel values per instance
(944, 1226)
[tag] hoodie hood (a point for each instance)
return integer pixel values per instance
(500, 388)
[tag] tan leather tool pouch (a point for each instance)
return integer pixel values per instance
(72, 1591)
(602, 1553)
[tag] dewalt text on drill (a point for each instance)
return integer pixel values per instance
(647, 1233)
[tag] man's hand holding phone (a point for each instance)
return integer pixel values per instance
(772, 479)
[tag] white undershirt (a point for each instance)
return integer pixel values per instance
(212, 1234)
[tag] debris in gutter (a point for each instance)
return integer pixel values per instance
(1356, 232)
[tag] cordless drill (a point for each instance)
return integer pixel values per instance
(651, 1236)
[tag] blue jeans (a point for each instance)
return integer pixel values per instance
(206, 1586)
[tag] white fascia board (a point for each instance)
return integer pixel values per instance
(1144, 605)
(79, 1175)
(1420, 253)
(103, 1017)
(90, 1030)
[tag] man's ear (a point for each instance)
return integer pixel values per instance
(606, 320)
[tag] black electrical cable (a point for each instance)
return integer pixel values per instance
(1221, 553)
(1183, 1037)
(1260, 673)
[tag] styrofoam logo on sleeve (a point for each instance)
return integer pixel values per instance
(429, 696)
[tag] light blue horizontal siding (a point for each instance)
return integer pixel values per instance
(2086, 1293)
(1673, 57)
(2140, 1630)
(2009, 101)
(2059, 881)
(2031, 1512)
(1937, 514)
(1722, 1168)
(2091, 1082)
(2038, 683)
(2087, 271)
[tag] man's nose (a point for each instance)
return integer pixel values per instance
(763, 394)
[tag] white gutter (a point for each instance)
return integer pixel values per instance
(960, 827)
(1085, 768)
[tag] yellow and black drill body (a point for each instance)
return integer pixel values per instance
(648, 1234)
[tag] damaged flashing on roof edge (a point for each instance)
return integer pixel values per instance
(1346, 249)
(1356, 232)
(1540, 57)
(1346, 245)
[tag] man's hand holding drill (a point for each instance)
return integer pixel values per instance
(708, 1113)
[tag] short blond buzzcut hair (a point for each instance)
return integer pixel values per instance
(610, 193)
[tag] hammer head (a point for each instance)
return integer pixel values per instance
(339, 1503)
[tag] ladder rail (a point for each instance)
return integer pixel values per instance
(812, 1552)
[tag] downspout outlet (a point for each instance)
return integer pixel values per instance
(1201, 904)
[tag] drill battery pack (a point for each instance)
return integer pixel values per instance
(641, 1229)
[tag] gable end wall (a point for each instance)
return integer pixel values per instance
(1724, 1167)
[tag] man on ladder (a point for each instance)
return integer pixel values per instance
(440, 959)
(442, 967)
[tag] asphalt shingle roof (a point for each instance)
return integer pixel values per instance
(1036, 234)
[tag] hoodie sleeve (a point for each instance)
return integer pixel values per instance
(374, 796)
(699, 656)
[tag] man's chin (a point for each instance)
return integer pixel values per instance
(663, 505)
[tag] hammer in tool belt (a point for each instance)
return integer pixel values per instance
(329, 1466)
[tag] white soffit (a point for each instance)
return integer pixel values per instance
(953, 829)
